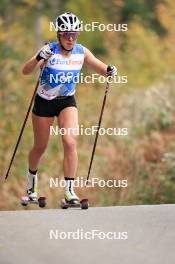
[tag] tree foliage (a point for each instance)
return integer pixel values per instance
(145, 53)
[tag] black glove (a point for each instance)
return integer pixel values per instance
(44, 54)
(111, 70)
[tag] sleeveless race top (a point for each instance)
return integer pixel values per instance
(60, 75)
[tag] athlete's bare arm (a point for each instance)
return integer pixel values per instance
(94, 63)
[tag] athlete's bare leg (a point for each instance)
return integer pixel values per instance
(41, 130)
(68, 118)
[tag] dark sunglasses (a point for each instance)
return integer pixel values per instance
(68, 35)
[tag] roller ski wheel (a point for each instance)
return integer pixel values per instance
(41, 201)
(83, 204)
(64, 204)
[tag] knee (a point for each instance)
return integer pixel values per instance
(40, 149)
(69, 144)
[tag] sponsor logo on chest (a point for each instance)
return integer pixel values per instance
(65, 61)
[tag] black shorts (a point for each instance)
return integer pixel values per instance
(51, 108)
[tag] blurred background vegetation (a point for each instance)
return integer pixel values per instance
(145, 105)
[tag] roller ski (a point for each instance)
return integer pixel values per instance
(71, 200)
(83, 204)
(32, 191)
(41, 201)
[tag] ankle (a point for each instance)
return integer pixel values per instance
(33, 171)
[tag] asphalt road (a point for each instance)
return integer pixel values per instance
(141, 235)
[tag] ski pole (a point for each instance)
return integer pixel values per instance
(22, 129)
(24, 123)
(97, 133)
